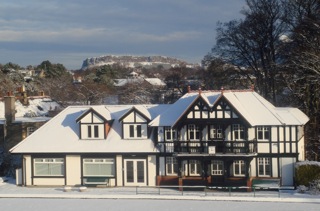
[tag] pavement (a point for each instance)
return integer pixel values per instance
(8, 189)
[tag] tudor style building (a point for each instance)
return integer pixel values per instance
(224, 138)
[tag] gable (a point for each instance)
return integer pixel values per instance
(91, 116)
(223, 110)
(134, 116)
(199, 110)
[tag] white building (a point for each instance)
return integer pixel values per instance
(226, 138)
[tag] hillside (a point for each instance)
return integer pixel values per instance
(136, 61)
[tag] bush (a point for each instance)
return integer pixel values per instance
(307, 172)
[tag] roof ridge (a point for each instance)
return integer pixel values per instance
(224, 90)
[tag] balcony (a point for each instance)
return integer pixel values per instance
(208, 147)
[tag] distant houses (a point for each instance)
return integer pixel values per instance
(135, 78)
(20, 116)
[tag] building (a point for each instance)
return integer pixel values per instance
(225, 138)
(20, 116)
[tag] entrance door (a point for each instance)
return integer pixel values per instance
(135, 172)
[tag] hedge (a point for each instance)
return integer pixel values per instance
(306, 172)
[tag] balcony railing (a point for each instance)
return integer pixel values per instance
(208, 147)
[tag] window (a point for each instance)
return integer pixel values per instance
(30, 130)
(216, 167)
(89, 131)
(131, 131)
(263, 133)
(96, 131)
(98, 167)
(194, 168)
(264, 167)
(216, 132)
(238, 132)
(194, 132)
(170, 134)
(48, 167)
(239, 168)
(135, 131)
(171, 166)
(139, 131)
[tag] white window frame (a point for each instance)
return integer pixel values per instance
(100, 162)
(137, 131)
(217, 167)
(48, 166)
(238, 130)
(216, 132)
(94, 131)
(171, 132)
(193, 130)
(263, 133)
(30, 130)
(239, 168)
(171, 166)
(196, 165)
(264, 165)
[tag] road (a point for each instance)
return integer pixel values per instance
(37, 204)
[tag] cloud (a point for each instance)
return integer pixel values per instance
(61, 27)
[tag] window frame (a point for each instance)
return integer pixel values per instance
(216, 132)
(264, 166)
(263, 133)
(238, 132)
(171, 166)
(51, 163)
(241, 165)
(171, 132)
(215, 167)
(194, 131)
(30, 130)
(99, 161)
(135, 131)
(197, 168)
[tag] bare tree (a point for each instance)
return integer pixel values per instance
(253, 43)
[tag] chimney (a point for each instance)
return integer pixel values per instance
(189, 89)
(41, 93)
(9, 107)
(222, 90)
(252, 87)
(200, 91)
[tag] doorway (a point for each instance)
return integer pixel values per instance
(135, 172)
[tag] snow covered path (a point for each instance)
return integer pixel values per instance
(34, 204)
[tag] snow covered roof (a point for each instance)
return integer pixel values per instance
(152, 81)
(252, 107)
(155, 81)
(36, 110)
(61, 133)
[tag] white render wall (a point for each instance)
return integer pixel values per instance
(73, 170)
(119, 170)
(152, 170)
(27, 169)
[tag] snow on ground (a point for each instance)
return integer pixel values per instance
(8, 189)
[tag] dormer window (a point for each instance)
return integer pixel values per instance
(134, 131)
(134, 124)
(93, 131)
(93, 126)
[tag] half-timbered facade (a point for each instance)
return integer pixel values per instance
(225, 138)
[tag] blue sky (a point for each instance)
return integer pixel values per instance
(69, 31)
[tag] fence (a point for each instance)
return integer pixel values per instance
(212, 191)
